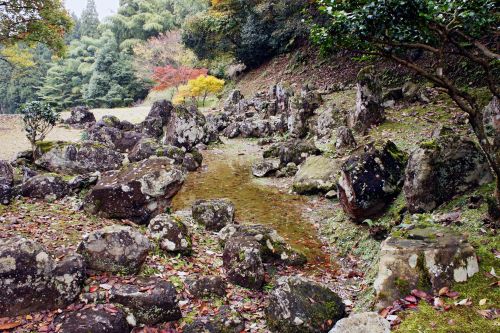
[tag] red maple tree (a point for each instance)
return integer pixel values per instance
(169, 76)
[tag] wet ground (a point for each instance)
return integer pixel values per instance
(227, 174)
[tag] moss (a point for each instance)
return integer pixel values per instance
(430, 144)
(402, 285)
(45, 146)
(424, 278)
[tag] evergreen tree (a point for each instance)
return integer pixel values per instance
(89, 20)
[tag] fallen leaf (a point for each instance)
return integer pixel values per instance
(11, 325)
(443, 291)
(483, 301)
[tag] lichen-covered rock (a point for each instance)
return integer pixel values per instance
(46, 187)
(255, 128)
(369, 110)
(273, 248)
(6, 182)
(235, 102)
(317, 174)
(83, 182)
(192, 161)
(77, 158)
(127, 141)
(289, 170)
(328, 121)
(442, 168)
(371, 179)
(171, 234)
(424, 259)
(115, 249)
(232, 130)
(213, 214)
(366, 322)
(265, 167)
(185, 128)
(296, 151)
(225, 321)
(31, 280)
(81, 117)
(137, 191)
(151, 301)
(93, 320)
(144, 149)
(297, 305)
(243, 263)
(206, 286)
(345, 139)
(301, 108)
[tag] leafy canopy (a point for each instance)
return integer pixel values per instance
(34, 21)
(39, 119)
(200, 87)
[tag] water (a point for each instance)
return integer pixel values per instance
(228, 175)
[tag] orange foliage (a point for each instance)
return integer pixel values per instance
(169, 76)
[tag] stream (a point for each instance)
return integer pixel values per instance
(226, 173)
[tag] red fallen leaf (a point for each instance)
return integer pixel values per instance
(412, 306)
(8, 326)
(453, 294)
(93, 288)
(419, 293)
(410, 299)
(384, 312)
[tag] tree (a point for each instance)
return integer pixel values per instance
(169, 76)
(32, 22)
(39, 119)
(444, 29)
(200, 87)
(89, 20)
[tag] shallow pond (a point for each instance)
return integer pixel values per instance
(227, 174)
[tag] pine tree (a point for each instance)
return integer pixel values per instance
(89, 20)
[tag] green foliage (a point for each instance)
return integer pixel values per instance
(39, 119)
(89, 21)
(34, 21)
(253, 31)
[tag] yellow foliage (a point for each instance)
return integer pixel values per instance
(202, 86)
(17, 56)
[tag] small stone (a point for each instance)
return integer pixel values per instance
(214, 214)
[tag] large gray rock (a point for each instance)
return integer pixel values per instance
(171, 234)
(273, 247)
(77, 158)
(81, 117)
(31, 280)
(293, 151)
(115, 249)
(186, 128)
(151, 301)
(214, 214)
(93, 320)
(243, 263)
(297, 305)
(6, 182)
(442, 168)
(328, 121)
(345, 139)
(301, 109)
(424, 259)
(137, 191)
(156, 120)
(265, 167)
(46, 187)
(206, 286)
(369, 110)
(370, 179)
(317, 174)
(366, 322)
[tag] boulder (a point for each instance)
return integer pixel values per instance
(442, 168)
(185, 128)
(242, 262)
(93, 320)
(273, 248)
(297, 305)
(192, 161)
(225, 321)
(83, 182)
(115, 249)
(366, 322)
(138, 191)
(232, 130)
(31, 280)
(235, 103)
(289, 170)
(328, 121)
(206, 286)
(345, 139)
(265, 167)
(46, 187)
(317, 174)
(213, 214)
(81, 117)
(144, 149)
(151, 301)
(424, 259)
(162, 110)
(301, 108)
(77, 158)
(371, 179)
(255, 128)
(104, 134)
(171, 234)
(6, 182)
(295, 151)
(369, 110)
(127, 141)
